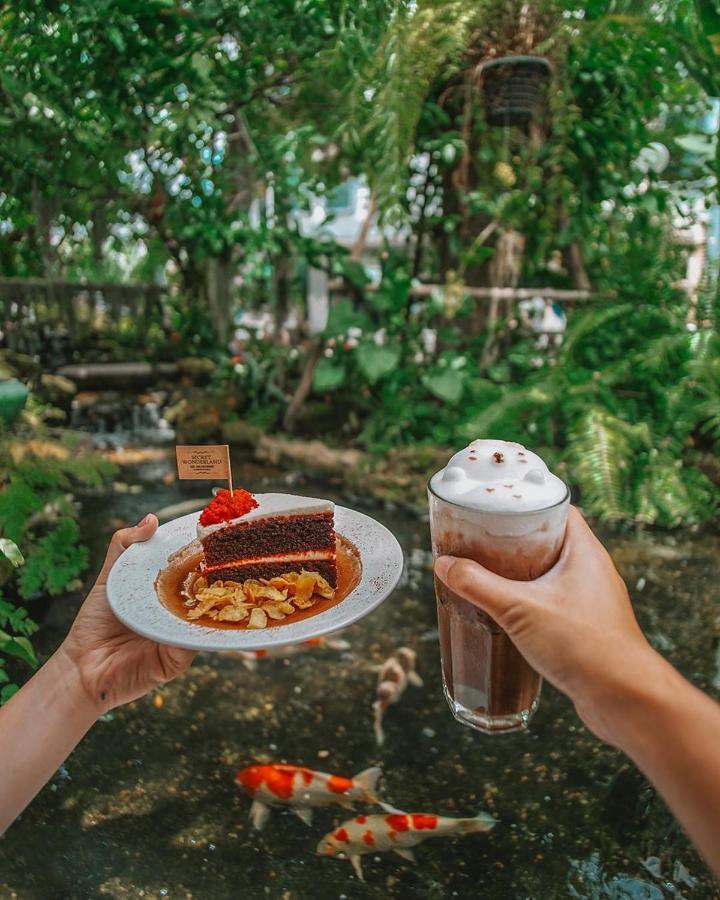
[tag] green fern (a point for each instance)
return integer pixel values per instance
(506, 415)
(16, 618)
(664, 353)
(601, 449)
(423, 40)
(666, 494)
(38, 514)
(705, 384)
(591, 322)
(709, 412)
(430, 41)
(18, 503)
(56, 562)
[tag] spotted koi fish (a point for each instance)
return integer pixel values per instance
(250, 658)
(396, 831)
(302, 789)
(394, 675)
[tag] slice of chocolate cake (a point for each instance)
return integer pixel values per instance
(266, 535)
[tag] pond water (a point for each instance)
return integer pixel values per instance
(147, 806)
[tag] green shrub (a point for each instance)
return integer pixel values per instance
(38, 514)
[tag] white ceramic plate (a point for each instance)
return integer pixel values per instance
(132, 596)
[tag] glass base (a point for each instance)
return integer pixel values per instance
(519, 721)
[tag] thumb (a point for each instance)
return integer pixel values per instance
(123, 538)
(495, 595)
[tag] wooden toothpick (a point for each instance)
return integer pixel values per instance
(230, 483)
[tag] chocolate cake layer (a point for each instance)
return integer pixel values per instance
(325, 567)
(264, 537)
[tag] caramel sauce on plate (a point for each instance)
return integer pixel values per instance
(183, 564)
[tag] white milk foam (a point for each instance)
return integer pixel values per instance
(498, 476)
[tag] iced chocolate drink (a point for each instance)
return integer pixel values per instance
(497, 503)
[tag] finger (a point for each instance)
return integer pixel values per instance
(581, 548)
(578, 534)
(123, 538)
(175, 660)
(471, 581)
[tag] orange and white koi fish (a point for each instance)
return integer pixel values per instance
(394, 675)
(302, 789)
(250, 658)
(396, 831)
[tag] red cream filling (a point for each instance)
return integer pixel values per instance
(309, 555)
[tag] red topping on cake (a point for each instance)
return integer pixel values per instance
(225, 506)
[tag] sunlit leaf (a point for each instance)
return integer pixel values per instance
(376, 362)
(10, 550)
(328, 375)
(446, 385)
(19, 647)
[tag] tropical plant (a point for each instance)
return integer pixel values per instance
(429, 48)
(38, 514)
(14, 643)
(628, 407)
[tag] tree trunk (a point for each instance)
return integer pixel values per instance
(573, 258)
(302, 391)
(99, 233)
(505, 269)
(282, 293)
(218, 291)
(241, 152)
(318, 345)
(44, 210)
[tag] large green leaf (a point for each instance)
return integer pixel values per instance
(354, 271)
(328, 375)
(7, 691)
(18, 646)
(445, 384)
(376, 362)
(698, 145)
(344, 316)
(709, 14)
(10, 550)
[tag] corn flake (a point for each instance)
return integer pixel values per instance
(256, 599)
(272, 612)
(258, 590)
(233, 614)
(258, 618)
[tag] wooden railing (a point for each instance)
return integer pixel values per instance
(38, 310)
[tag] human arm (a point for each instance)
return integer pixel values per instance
(576, 626)
(99, 665)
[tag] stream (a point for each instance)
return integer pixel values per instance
(147, 805)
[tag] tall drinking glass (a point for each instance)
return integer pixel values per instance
(487, 682)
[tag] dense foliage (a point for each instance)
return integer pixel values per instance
(40, 547)
(211, 127)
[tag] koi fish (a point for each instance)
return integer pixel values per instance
(394, 675)
(396, 831)
(302, 789)
(250, 658)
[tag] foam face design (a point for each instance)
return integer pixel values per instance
(498, 476)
